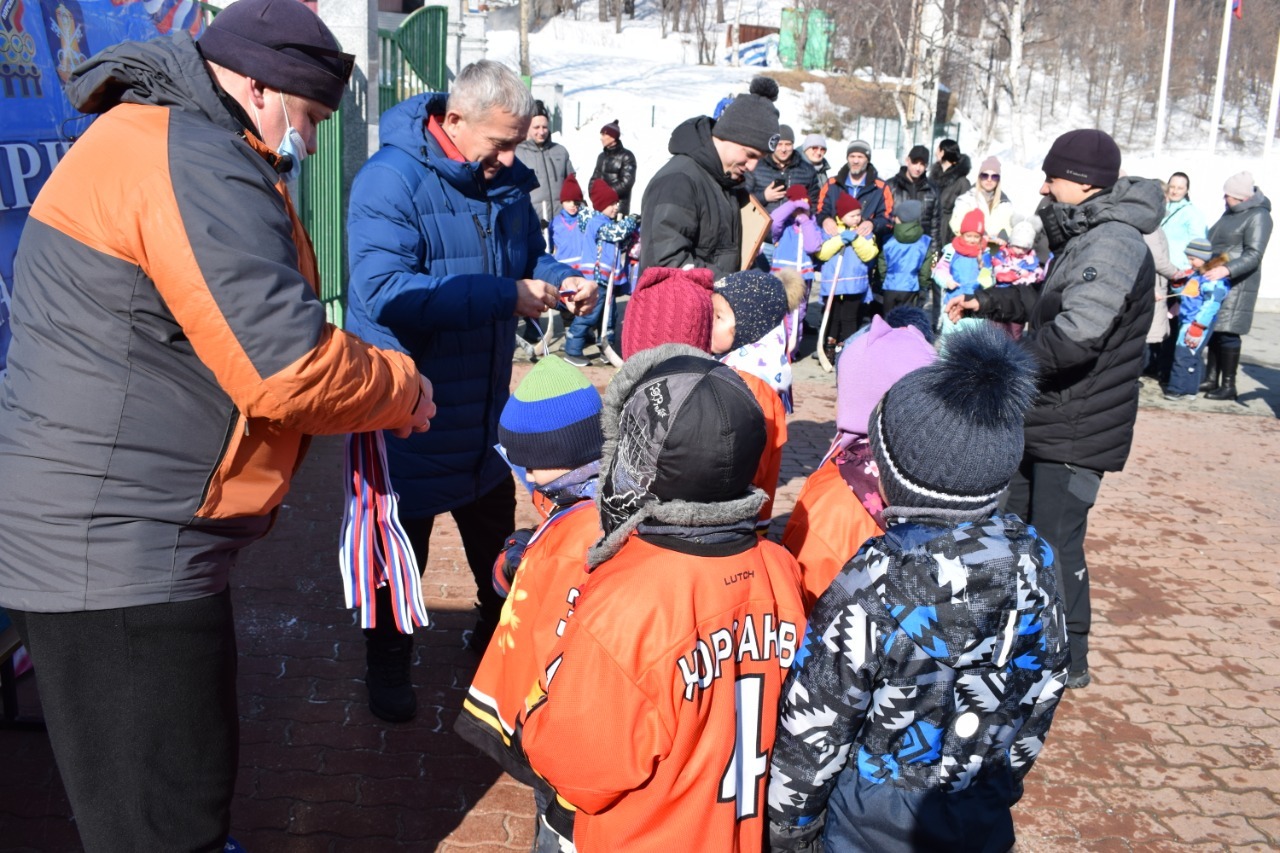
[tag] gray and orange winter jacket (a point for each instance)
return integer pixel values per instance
(169, 354)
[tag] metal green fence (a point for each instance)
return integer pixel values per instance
(324, 215)
(411, 57)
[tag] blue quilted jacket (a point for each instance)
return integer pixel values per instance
(434, 256)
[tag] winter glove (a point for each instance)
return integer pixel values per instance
(849, 235)
(504, 568)
(1006, 276)
(1194, 336)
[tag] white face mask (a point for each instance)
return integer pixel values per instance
(291, 145)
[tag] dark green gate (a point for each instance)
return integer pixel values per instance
(412, 57)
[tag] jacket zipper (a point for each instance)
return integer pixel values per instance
(222, 452)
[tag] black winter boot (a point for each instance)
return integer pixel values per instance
(1210, 382)
(389, 659)
(1228, 363)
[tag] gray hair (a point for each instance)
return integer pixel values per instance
(487, 85)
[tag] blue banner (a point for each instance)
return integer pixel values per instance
(41, 43)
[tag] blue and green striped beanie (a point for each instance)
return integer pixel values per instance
(552, 420)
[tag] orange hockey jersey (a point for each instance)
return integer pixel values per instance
(542, 596)
(775, 430)
(662, 696)
(827, 527)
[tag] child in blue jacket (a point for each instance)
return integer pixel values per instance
(906, 258)
(965, 266)
(845, 274)
(796, 238)
(565, 233)
(605, 245)
(1200, 300)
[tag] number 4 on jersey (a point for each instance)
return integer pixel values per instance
(747, 764)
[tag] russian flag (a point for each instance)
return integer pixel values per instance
(1237, 9)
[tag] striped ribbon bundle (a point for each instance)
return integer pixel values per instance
(375, 550)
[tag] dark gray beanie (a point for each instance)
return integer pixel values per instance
(948, 437)
(909, 210)
(1084, 156)
(281, 44)
(758, 300)
(751, 119)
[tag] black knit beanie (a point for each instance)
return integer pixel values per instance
(751, 119)
(947, 437)
(1084, 156)
(758, 300)
(281, 44)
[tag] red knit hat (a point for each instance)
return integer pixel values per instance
(973, 221)
(602, 195)
(845, 203)
(570, 190)
(796, 192)
(612, 129)
(669, 306)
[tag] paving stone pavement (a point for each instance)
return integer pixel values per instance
(1173, 747)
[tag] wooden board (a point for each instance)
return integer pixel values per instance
(755, 227)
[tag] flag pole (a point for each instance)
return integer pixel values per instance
(1162, 109)
(1271, 108)
(1222, 76)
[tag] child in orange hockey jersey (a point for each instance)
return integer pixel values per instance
(661, 697)
(839, 506)
(550, 431)
(672, 306)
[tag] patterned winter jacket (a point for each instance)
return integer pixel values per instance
(922, 694)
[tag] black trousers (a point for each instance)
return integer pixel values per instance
(1055, 498)
(891, 299)
(141, 708)
(483, 524)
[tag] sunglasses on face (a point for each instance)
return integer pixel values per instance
(989, 176)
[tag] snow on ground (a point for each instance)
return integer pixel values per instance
(651, 84)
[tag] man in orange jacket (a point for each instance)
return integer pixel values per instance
(170, 359)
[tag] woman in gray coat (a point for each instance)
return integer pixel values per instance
(1241, 234)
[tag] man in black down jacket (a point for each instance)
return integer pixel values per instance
(911, 182)
(692, 207)
(787, 166)
(1087, 326)
(616, 166)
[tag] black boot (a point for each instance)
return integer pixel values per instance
(1228, 363)
(389, 658)
(1210, 382)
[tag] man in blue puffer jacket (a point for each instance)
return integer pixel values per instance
(446, 253)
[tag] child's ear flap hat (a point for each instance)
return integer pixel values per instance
(683, 439)
(948, 437)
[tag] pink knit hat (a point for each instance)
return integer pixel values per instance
(669, 306)
(869, 364)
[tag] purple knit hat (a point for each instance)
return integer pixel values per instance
(869, 364)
